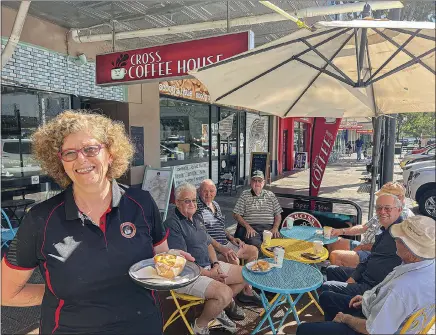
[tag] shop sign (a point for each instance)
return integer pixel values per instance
(300, 160)
(193, 173)
(364, 131)
(350, 125)
(324, 136)
(191, 89)
(168, 61)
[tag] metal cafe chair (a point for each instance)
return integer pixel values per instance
(8, 234)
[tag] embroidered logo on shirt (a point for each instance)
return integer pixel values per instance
(128, 229)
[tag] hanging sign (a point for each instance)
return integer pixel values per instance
(168, 61)
(225, 127)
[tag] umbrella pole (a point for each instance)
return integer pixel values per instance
(375, 163)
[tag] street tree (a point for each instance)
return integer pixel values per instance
(417, 125)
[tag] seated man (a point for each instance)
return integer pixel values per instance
(386, 307)
(257, 210)
(383, 256)
(229, 248)
(219, 282)
(350, 253)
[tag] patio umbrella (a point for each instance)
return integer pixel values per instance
(340, 69)
(362, 68)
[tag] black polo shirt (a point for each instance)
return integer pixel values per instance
(85, 266)
(382, 260)
(189, 235)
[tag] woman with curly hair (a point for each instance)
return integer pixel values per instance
(85, 239)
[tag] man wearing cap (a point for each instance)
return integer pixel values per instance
(383, 256)
(257, 210)
(386, 307)
(346, 252)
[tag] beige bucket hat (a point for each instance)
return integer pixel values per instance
(418, 234)
(392, 188)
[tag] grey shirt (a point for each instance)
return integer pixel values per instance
(190, 236)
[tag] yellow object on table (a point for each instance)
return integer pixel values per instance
(293, 250)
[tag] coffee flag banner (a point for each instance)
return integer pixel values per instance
(324, 135)
(226, 127)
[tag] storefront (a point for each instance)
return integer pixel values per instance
(294, 137)
(191, 138)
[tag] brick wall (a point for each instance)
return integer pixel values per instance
(47, 70)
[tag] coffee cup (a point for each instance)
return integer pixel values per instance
(327, 232)
(117, 74)
(289, 223)
(279, 254)
(318, 246)
(267, 236)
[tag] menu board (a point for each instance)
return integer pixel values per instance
(260, 161)
(193, 173)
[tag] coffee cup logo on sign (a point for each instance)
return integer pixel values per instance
(118, 72)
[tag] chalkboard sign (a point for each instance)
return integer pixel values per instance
(260, 161)
(320, 206)
(300, 160)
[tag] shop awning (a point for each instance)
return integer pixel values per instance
(358, 68)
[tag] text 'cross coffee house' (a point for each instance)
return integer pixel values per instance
(168, 61)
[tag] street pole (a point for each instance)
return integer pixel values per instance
(375, 163)
(389, 149)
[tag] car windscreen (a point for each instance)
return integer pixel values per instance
(14, 148)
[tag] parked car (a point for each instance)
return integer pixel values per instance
(421, 187)
(421, 150)
(408, 158)
(416, 165)
(10, 151)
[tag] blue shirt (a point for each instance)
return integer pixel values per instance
(189, 235)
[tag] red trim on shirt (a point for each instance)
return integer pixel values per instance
(102, 223)
(16, 267)
(57, 315)
(163, 240)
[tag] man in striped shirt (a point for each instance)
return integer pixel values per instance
(257, 210)
(228, 248)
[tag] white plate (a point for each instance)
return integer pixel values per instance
(249, 265)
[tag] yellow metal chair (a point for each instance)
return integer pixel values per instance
(420, 322)
(181, 310)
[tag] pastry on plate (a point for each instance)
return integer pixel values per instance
(168, 265)
(261, 266)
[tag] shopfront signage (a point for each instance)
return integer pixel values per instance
(300, 160)
(349, 125)
(168, 61)
(324, 136)
(364, 131)
(193, 173)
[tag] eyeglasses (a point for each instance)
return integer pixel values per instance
(188, 201)
(70, 155)
(388, 209)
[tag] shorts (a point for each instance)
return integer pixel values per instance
(199, 287)
(353, 244)
(363, 255)
(230, 245)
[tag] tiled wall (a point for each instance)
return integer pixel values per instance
(51, 71)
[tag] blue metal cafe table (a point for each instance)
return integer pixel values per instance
(306, 233)
(292, 278)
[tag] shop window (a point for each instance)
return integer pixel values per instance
(184, 132)
(23, 111)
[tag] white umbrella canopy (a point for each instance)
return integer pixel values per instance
(315, 73)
